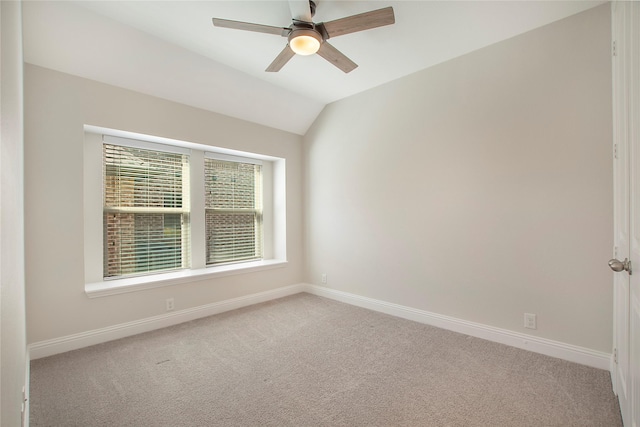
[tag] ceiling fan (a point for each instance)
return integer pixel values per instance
(306, 37)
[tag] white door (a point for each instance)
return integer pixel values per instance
(633, 73)
(626, 123)
(622, 211)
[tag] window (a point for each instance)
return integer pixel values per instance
(146, 211)
(159, 212)
(233, 203)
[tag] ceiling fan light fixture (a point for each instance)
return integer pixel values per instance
(305, 42)
(305, 37)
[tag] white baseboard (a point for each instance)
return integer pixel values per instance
(544, 346)
(46, 348)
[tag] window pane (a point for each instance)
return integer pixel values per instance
(145, 223)
(142, 178)
(232, 237)
(233, 211)
(142, 243)
(231, 185)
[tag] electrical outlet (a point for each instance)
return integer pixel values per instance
(530, 321)
(324, 278)
(170, 304)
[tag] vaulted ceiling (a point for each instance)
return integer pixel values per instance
(171, 49)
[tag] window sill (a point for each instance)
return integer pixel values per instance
(133, 284)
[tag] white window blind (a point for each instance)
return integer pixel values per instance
(233, 203)
(146, 211)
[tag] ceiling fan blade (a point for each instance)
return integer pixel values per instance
(336, 57)
(282, 58)
(248, 26)
(360, 22)
(300, 10)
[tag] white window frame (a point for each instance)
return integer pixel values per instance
(186, 188)
(274, 215)
(235, 159)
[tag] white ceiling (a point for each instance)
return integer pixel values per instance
(171, 49)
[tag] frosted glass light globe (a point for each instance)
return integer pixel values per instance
(304, 44)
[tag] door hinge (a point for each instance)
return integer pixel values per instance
(615, 355)
(614, 49)
(615, 151)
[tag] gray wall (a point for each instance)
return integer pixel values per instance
(57, 106)
(480, 188)
(13, 359)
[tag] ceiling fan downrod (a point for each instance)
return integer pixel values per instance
(312, 7)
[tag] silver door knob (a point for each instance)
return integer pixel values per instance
(616, 265)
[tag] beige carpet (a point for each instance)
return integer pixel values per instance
(309, 361)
